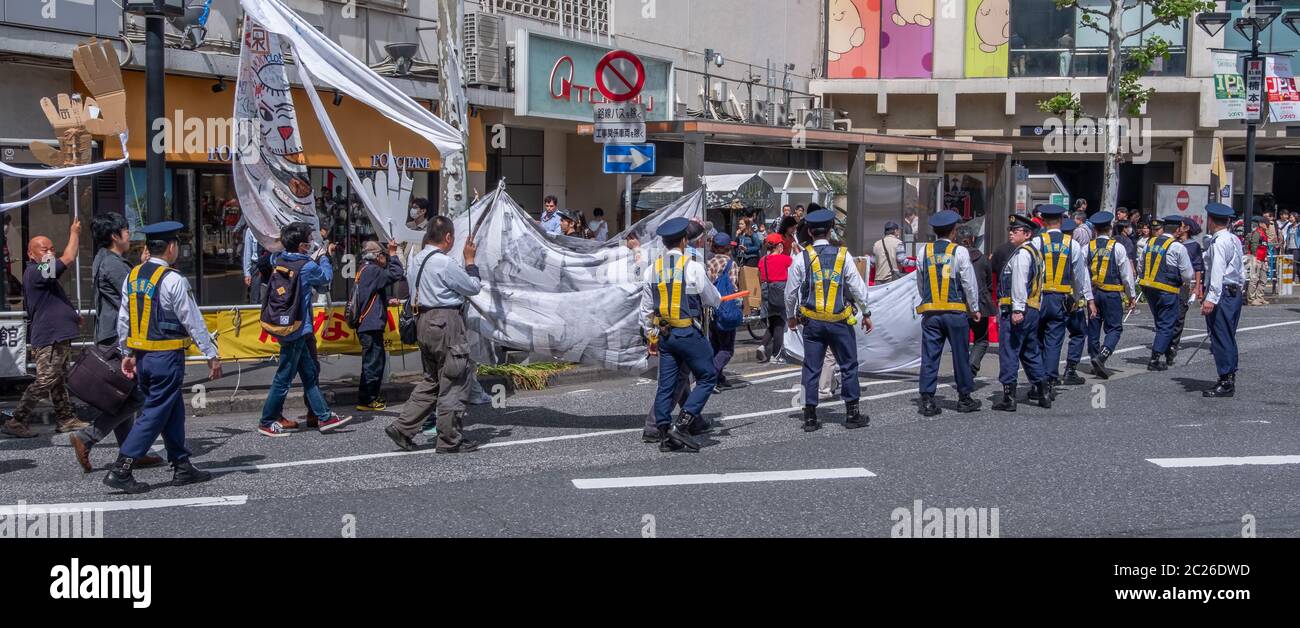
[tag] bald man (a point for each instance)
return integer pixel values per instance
(51, 339)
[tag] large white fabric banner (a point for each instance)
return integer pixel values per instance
(64, 176)
(570, 299)
(895, 342)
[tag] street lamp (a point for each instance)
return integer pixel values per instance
(1250, 26)
(154, 13)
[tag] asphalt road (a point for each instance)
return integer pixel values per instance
(569, 462)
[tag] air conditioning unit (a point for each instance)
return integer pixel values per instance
(485, 50)
(818, 118)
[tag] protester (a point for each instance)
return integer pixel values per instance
(1257, 262)
(890, 255)
(787, 228)
(55, 325)
(723, 340)
(773, 270)
(419, 214)
(984, 282)
(749, 244)
(380, 269)
(108, 274)
(297, 273)
(439, 288)
(256, 266)
(599, 227)
(550, 221)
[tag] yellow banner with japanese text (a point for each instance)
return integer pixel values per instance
(240, 335)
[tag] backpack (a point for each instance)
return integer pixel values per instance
(352, 312)
(728, 315)
(282, 308)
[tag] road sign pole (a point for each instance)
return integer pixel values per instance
(627, 202)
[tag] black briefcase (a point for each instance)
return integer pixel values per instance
(96, 378)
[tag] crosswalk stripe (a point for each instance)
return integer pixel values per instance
(723, 478)
(1223, 461)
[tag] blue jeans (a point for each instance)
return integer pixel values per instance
(295, 359)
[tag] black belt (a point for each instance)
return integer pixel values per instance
(1231, 290)
(424, 309)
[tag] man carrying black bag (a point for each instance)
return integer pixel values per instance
(108, 274)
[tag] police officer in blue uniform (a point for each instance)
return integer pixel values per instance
(820, 292)
(1164, 266)
(1225, 281)
(1186, 234)
(673, 297)
(1020, 292)
(1112, 278)
(1076, 325)
(945, 279)
(155, 325)
(1065, 283)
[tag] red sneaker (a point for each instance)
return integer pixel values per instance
(334, 422)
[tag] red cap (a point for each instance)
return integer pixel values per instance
(775, 238)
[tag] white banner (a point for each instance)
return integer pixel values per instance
(13, 347)
(1229, 87)
(894, 343)
(1283, 100)
(65, 176)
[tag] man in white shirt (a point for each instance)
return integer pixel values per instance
(1112, 278)
(598, 225)
(1163, 266)
(439, 288)
(1225, 277)
(945, 280)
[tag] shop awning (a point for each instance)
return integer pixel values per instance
(725, 191)
(366, 133)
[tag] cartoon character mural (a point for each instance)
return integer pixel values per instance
(988, 28)
(918, 12)
(907, 39)
(853, 39)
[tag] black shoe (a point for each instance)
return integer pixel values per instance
(680, 432)
(1033, 393)
(1050, 388)
(184, 472)
(1156, 363)
(666, 445)
(855, 418)
(700, 426)
(1227, 387)
(466, 446)
(401, 440)
(119, 477)
(967, 404)
(1171, 354)
(654, 437)
(1045, 394)
(1072, 377)
(928, 407)
(810, 422)
(1008, 401)
(1099, 364)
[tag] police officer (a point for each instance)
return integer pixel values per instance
(1076, 325)
(1186, 234)
(822, 285)
(1112, 278)
(157, 319)
(673, 298)
(1225, 274)
(1020, 292)
(945, 278)
(1065, 283)
(1164, 267)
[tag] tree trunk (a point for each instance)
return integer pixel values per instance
(1110, 180)
(454, 107)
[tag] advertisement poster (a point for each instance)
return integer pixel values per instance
(1229, 87)
(1283, 101)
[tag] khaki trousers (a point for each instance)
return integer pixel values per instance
(444, 354)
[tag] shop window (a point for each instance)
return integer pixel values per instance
(1048, 42)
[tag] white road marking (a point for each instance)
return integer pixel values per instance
(723, 478)
(140, 504)
(1173, 463)
(1258, 421)
(878, 382)
(773, 371)
(1190, 425)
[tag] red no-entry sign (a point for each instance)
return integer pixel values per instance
(620, 75)
(1184, 199)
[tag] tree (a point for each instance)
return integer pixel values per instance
(1125, 68)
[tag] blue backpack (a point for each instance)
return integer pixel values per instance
(728, 315)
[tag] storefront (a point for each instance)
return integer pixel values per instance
(199, 187)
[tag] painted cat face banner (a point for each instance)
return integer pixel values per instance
(269, 167)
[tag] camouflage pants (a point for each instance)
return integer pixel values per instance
(51, 364)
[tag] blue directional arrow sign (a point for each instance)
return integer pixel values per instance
(629, 159)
